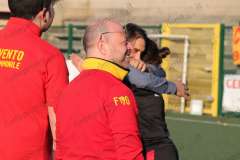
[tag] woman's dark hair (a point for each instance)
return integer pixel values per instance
(164, 52)
(28, 9)
(152, 54)
(133, 31)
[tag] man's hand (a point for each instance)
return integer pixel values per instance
(138, 64)
(182, 90)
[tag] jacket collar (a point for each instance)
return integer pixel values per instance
(104, 65)
(22, 24)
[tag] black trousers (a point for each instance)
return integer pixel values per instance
(162, 152)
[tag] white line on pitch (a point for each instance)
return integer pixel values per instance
(204, 122)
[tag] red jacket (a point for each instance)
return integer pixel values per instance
(32, 75)
(96, 116)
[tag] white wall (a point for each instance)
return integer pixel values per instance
(4, 6)
(153, 11)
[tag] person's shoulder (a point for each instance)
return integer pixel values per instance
(114, 85)
(120, 88)
(50, 49)
(109, 80)
(41, 46)
(102, 79)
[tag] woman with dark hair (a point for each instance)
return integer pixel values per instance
(154, 132)
(147, 80)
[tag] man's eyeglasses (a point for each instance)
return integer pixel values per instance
(101, 34)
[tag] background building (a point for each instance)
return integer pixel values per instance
(144, 11)
(150, 12)
(4, 12)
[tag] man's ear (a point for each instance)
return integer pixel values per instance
(102, 47)
(45, 14)
(41, 15)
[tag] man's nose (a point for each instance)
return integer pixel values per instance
(129, 46)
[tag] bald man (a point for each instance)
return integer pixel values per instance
(96, 116)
